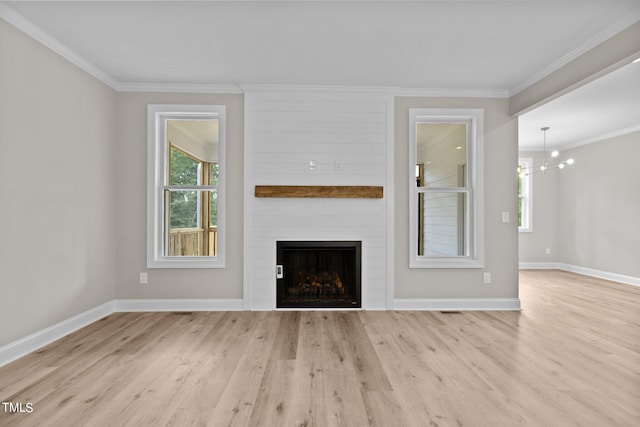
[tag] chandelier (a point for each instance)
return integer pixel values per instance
(550, 161)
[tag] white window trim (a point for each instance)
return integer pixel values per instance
(475, 174)
(527, 195)
(157, 115)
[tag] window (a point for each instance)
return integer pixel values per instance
(525, 193)
(446, 192)
(185, 204)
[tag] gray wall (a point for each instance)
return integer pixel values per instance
(501, 240)
(588, 213)
(132, 205)
(57, 188)
(533, 244)
(599, 207)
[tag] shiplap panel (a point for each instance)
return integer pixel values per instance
(294, 105)
(354, 158)
(284, 131)
(301, 116)
(318, 138)
(319, 148)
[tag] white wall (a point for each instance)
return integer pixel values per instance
(225, 283)
(284, 131)
(533, 245)
(587, 213)
(57, 188)
(501, 240)
(599, 207)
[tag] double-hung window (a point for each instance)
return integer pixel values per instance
(446, 188)
(525, 192)
(185, 200)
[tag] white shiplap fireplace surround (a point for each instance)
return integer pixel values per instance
(347, 135)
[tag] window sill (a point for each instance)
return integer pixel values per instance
(186, 262)
(445, 262)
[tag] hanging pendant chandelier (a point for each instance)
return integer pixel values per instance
(550, 161)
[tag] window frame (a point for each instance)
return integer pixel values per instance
(157, 152)
(474, 213)
(526, 163)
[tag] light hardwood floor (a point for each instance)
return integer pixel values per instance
(571, 357)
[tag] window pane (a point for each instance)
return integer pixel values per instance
(192, 216)
(184, 209)
(183, 170)
(442, 223)
(213, 209)
(441, 154)
(214, 173)
(187, 237)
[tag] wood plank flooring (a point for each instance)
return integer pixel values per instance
(570, 358)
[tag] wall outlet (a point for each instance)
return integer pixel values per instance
(548, 251)
(486, 278)
(338, 165)
(505, 217)
(312, 165)
(144, 279)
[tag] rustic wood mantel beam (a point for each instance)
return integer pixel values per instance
(321, 191)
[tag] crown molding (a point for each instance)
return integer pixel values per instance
(579, 143)
(453, 93)
(36, 33)
(599, 138)
(250, 87)
(179, 88)
(599, 38)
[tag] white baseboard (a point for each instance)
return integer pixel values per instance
(179, 304)
(33, 342)
(539, 266)
(614, 277)
(458, 304)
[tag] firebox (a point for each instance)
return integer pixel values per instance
(318, 274)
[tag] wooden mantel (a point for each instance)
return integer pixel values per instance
(321, 191)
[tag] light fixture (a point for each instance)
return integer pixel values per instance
(548, 163)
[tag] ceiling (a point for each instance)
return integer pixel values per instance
(606, 107)
(491, 47)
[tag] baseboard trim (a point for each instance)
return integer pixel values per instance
(179, 304)
(33, 342)
(614, 277)
(539, 266)
(458, 304)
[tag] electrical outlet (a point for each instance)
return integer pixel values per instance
(338, 165)
(144, 279)
(487, 278)
(312, 165)
(505, 217)
(548, 251)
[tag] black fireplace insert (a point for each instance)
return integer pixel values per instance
(318, 274)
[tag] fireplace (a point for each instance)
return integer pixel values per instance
(318, 274)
